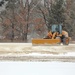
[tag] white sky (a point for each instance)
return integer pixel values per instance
(37, 68)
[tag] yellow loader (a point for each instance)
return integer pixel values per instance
(55, 36)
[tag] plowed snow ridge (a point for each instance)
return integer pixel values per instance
(27, 49)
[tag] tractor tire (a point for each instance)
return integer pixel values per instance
(65, 41)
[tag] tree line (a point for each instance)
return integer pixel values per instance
(22, 18)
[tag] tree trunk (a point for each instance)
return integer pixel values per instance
(27, 20)
(12, 33)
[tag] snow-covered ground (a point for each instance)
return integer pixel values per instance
(37, 68)
(28, 50)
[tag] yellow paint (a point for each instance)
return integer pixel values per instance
(46, 41)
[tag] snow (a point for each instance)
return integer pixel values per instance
(21, 48)
(39, 55)
(37, 68)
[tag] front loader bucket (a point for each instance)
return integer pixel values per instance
(45, 41)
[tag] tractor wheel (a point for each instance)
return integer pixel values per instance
(65, 41)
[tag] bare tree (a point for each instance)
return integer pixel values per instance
(10, 8)
(52, 12)
(24, 14)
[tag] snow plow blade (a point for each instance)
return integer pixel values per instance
(45, 41)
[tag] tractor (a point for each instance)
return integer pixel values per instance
(56, 36)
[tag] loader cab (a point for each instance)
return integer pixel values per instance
(56, 28)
